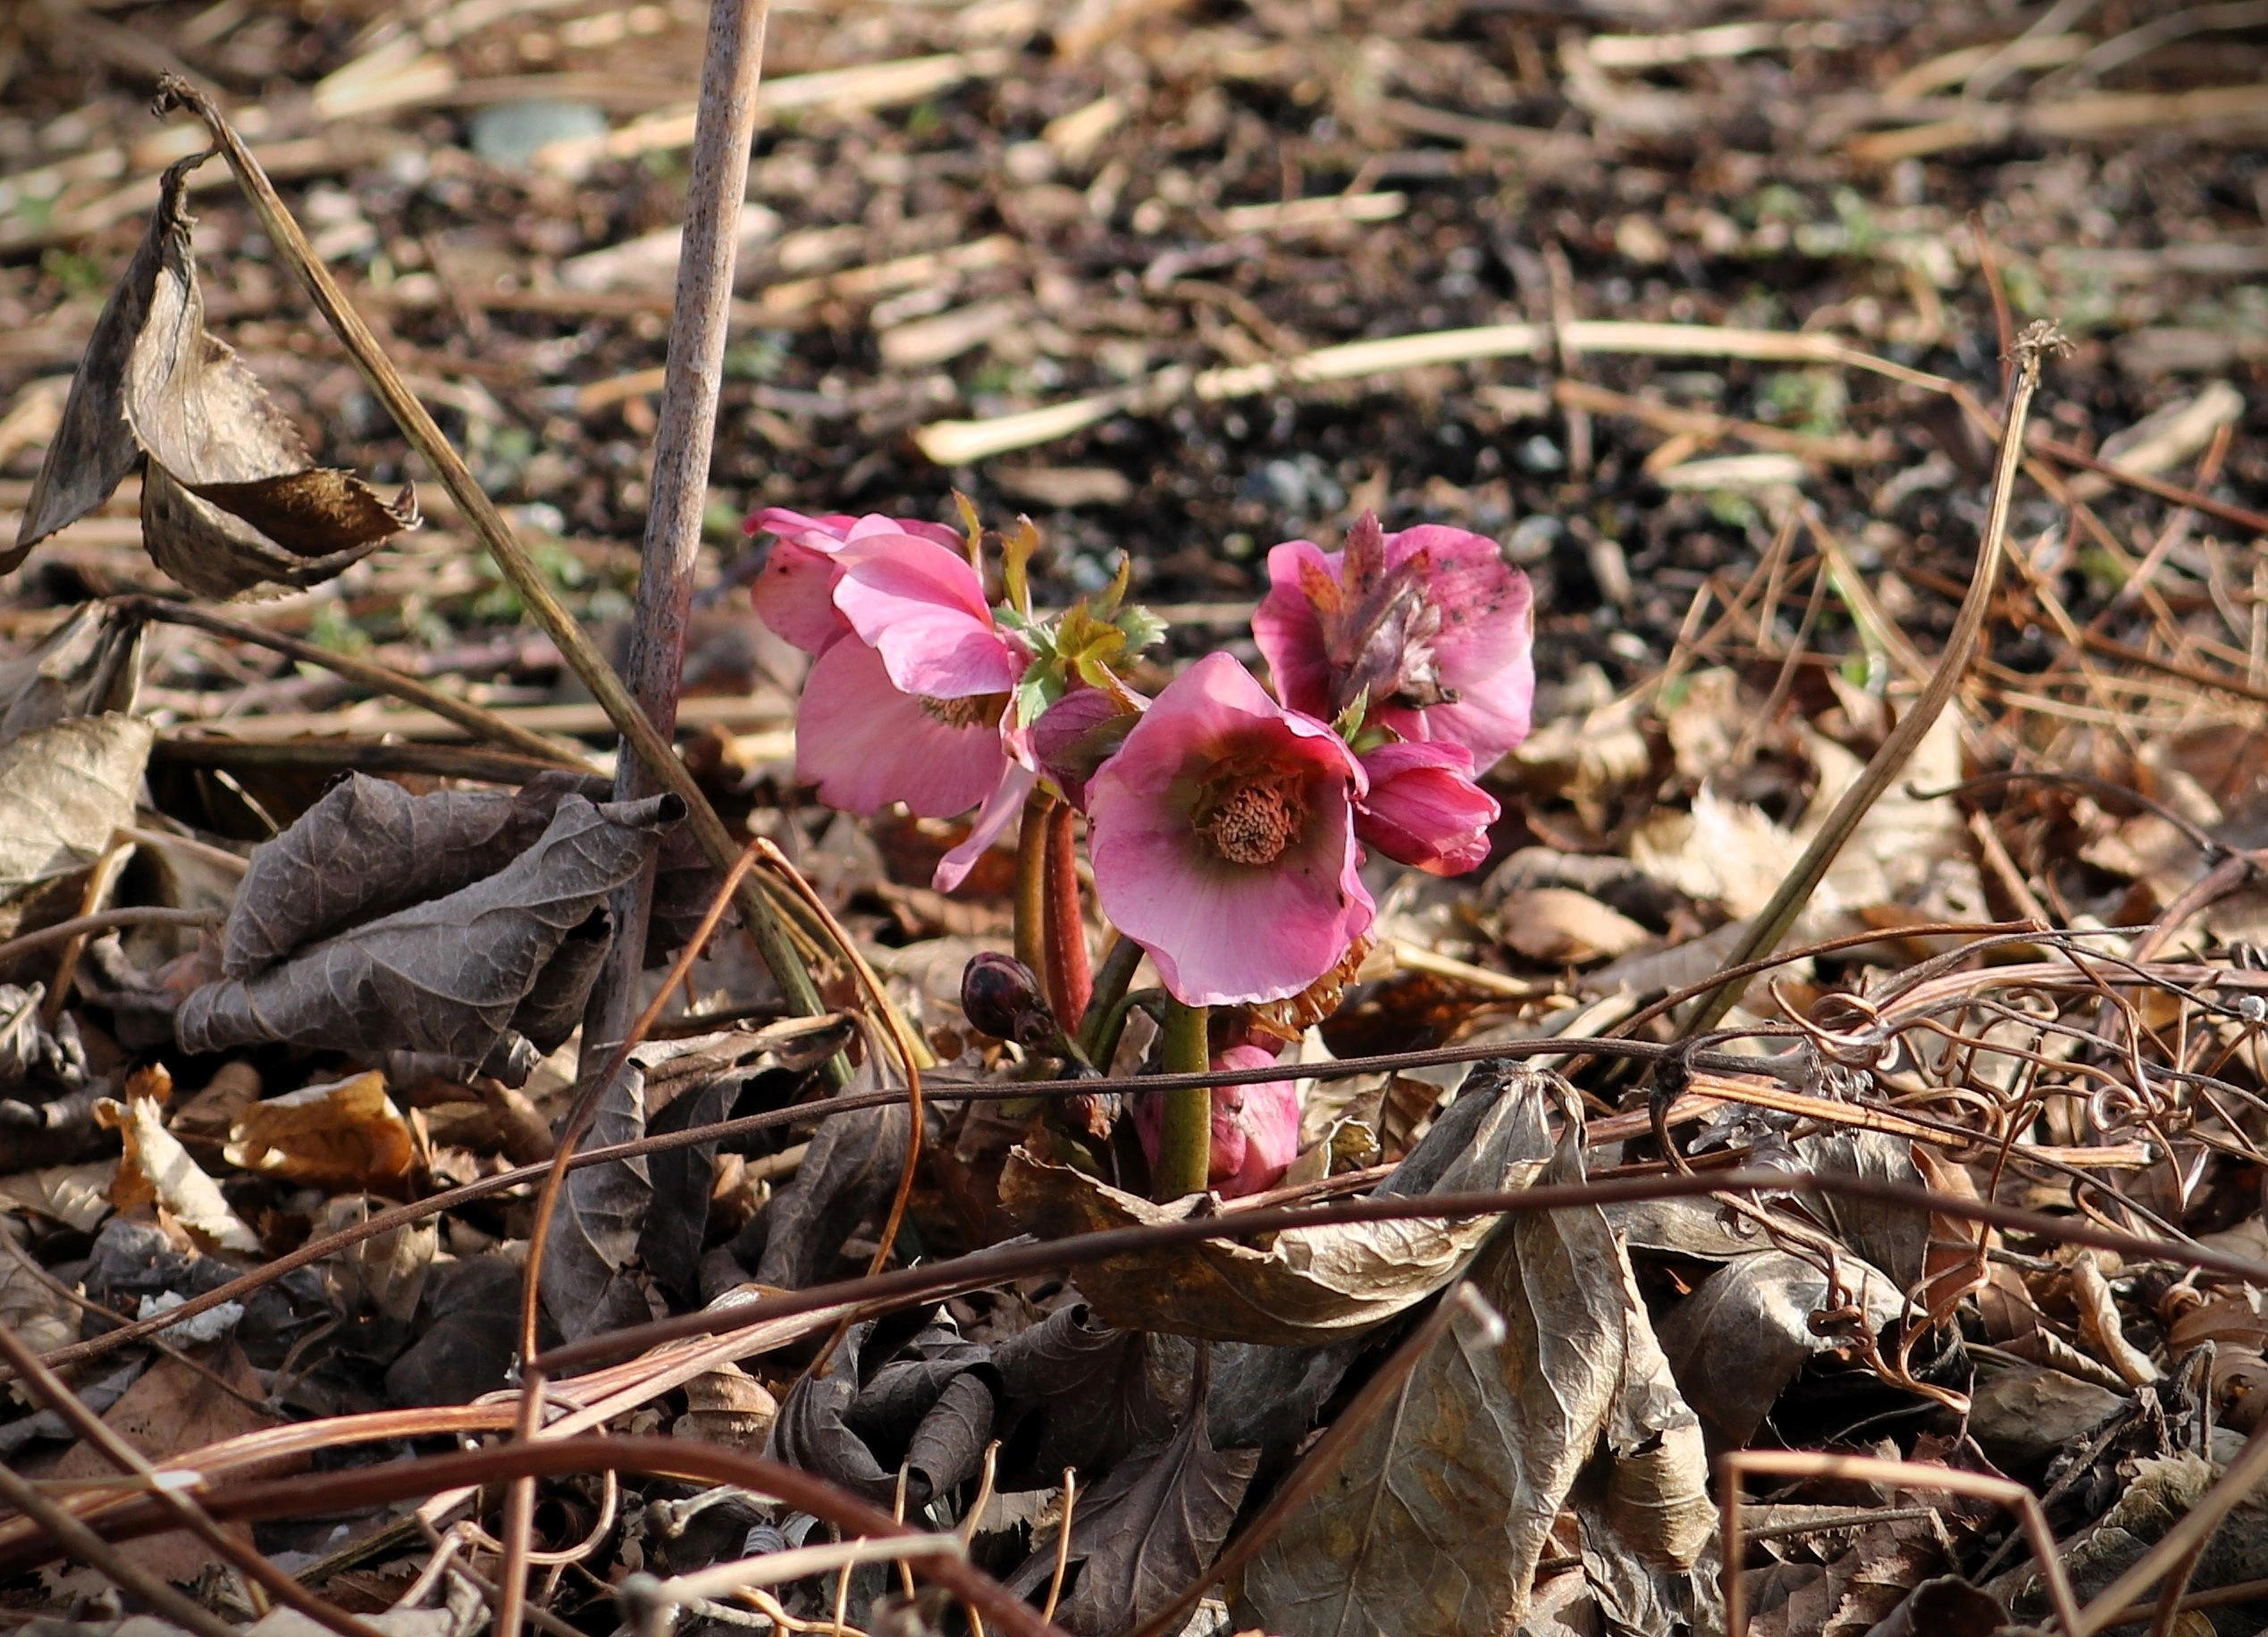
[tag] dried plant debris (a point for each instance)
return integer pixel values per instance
(1312, 1285)
(1490, 1433)
(450, 977)
(231, 503)
(90, 666)
(65, 791)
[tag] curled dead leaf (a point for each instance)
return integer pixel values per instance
(156, 1170)
(446, 978)
(90, 664)
(1443, 1505)
(231, 502)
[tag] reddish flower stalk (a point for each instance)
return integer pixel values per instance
(1071, 984)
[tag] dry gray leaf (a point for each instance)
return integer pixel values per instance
(90, 664)
(469, 1338)
(1440, 1512)
(589, 1282)
(1737, 1341)
(28, 1305)
(1150, 1527)
(675, 1229)
(65, 792)
(446, 977)
(231, 502)
(850, 1172)
(927, 1414)
(1310, 1285)
(1089, 1385)
(368, 849)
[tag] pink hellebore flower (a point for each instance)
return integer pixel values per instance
(1255, 1129)
(1431, 621)
(1223, 836)
(1424, 810)
(906, 696)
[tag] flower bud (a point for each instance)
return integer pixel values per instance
(1000, 997)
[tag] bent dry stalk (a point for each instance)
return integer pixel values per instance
(496, 535)
(1770, 924)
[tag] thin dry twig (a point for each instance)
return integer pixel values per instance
(1738, 1464)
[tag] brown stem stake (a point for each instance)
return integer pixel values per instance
(1071, 984)
(725, 126)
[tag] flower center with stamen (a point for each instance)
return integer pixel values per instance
(1253, 820)
(971, 710)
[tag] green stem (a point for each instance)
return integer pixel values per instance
(1105, 1011)
(1185, 1138)
(1031, 885)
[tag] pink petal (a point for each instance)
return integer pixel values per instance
(840, 526)
(795, 595)
(1076, 734)
(1424, 809)
(935, 534)
(866, 744)
(1485, 649)
(1288, 630)
(1000, 811)
(1255, 1129)
(922, 608)
(1224, 933)
(796, 525)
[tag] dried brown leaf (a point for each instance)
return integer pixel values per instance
(589, 1282)
(368, 849)
(1310, 1285)
(92, 663)
(1558, 924)
(76, 1196)
(28, 1305)
(347, 1134)
(468, 1340)
(1150, 1527)
(1445, 1504)
(157, 1170)
(65, 792)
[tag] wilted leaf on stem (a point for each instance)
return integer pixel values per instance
(345, 1134)
(446, 977)
(1311, 1285)
(1441, 1509)
(65, 792)
(230, 499)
